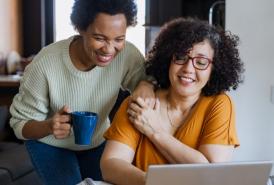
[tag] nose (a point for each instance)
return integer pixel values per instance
(108, 48)
(188, 66)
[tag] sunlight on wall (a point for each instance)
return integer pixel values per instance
(64, 29)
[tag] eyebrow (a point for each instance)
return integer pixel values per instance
(202, 55)
(101, 35)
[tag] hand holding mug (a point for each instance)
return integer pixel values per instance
(60, 123)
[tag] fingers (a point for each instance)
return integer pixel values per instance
(131, 118)
(150, 102)
(134, 116)
(138, 119)
(67, 109)
(140, 109)
(134, 107)
(138, 105)
(64, 110)
(138, 124)
(132, 113)
(130, 99)
(61, 130)
(61, 126)
(62, 119)
(61, 134)
(147, 102)
(157, 104)
(142, 124)
(141, 102)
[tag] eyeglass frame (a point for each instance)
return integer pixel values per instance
(175, 58)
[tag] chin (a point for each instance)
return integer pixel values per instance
(185, 93)
(103, 64)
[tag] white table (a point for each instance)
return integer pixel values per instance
(101, 183)
(89, 181)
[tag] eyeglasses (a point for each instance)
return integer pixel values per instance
(200, 63)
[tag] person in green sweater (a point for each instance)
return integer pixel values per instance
(81, 73)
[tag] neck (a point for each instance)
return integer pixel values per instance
(184, 104)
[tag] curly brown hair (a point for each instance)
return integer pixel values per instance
(179, 35)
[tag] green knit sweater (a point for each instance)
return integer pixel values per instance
(51, 81)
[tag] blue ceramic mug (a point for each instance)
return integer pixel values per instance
(83, 124)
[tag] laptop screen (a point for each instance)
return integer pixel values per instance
(233, 173)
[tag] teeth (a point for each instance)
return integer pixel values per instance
(105, 57)
(187, 79)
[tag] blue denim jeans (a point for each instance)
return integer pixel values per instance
(57, 166)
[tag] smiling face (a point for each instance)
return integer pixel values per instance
(104, 38)
(185, 80)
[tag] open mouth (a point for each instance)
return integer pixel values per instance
(104, 58)
(186, 79)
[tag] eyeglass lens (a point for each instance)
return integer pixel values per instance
(198, 62)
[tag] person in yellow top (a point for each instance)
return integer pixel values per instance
(193, 120)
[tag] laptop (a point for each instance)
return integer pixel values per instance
(232, 173)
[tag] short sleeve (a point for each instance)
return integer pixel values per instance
(121, 128)
(219, 126)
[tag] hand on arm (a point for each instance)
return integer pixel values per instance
(58, 125)
(148, 122)
(144, 118)
(116, 165)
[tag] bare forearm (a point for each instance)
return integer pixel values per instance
(36, 129)
(175, 151)
(120, 172)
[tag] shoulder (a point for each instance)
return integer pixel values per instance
(130, 50)
(121, 128)
(131, 47)
(121, 114)
(219, 106)
(55, 48)
(121, 120)
(51, 54)
(215, 105)
(223, 100)
(219, 122)
(129, 59)
(218, 100)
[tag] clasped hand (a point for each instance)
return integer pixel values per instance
(145, 118)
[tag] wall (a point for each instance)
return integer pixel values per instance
(10, 23)
(5, 43)
(252, 20)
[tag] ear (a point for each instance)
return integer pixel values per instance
(81, 32)
(173, 57)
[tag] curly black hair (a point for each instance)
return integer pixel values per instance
(179, 35)
(85, 11)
